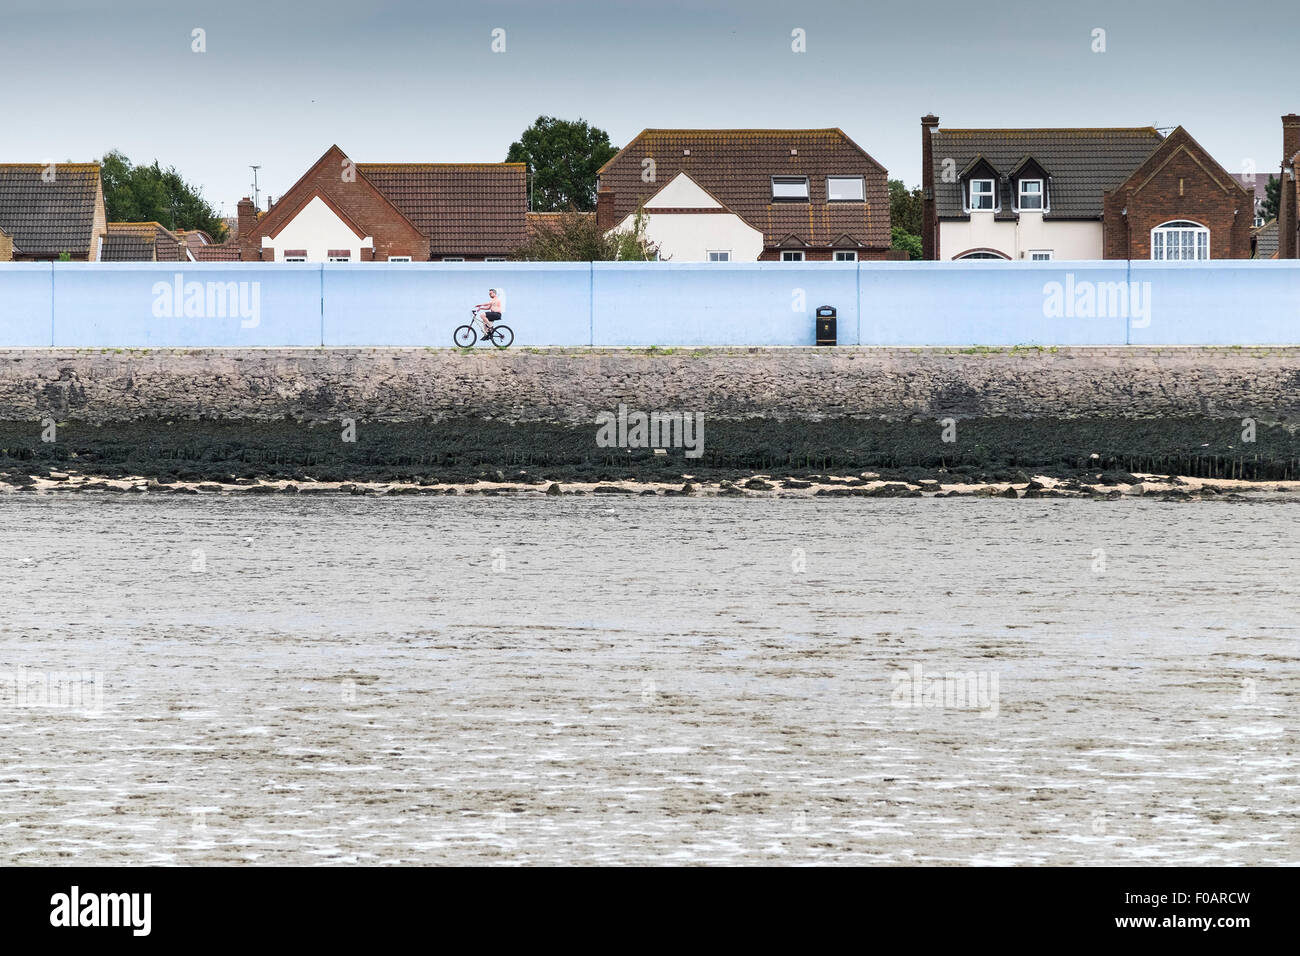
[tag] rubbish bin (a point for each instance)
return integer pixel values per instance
(825, 325)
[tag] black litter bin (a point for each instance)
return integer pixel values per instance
(825, 325)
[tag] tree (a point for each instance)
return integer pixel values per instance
(153, 194)
(902, 239)
(575, 237)
(1272, 198)
(905, 207)
(562, 157)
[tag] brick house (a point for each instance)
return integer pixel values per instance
(1118, 193)
(49, 209)
(749, 194)
(363, 212)
(1288, 207)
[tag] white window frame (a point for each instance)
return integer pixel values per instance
(862, 188)
(494, 258)
(1188, 233)
(791, 255)
(844, 255)
(790, 181)
(1041, 194)
(724, 255)
(347, 258)
(992, 194)
(1041, 255)
(453, 258)
(399, 258)
(295, 258)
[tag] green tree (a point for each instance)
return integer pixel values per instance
(1272, 198)
(563, 157)
(902, 239)
(153, 194)
(905, 207)
(575, 237)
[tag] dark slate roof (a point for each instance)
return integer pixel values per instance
(1082, 164)
(464, 208)
(47, 218)
(125, 239)
(736, 166)
(1266, 240)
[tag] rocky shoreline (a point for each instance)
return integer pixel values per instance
(865, 485)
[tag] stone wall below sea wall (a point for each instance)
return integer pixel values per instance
(573, 385)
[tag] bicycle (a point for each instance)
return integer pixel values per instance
(466, 335)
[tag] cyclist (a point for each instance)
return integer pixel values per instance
(494, 307)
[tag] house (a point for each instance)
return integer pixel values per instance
(1263, 241)
(1120, 193)
(142, 242)
(1288, 207)
(343, 211)
(1256, 183)
(749, 194)
(49, 210)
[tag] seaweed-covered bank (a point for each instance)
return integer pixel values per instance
(841, 421)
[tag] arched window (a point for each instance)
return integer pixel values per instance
(980, 254)
(1181, 239)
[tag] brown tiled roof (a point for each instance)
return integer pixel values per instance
(464, 208)
(737, 165)
(538, 221)
(1266, 240)
(126, 240)
(1082, 164)
(225, 252)
(47, 218)
(194, 237)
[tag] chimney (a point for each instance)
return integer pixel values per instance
(929, 215)
(604, 208)
(1288, 238)
(245, 224)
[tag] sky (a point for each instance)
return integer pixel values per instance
(401, 81)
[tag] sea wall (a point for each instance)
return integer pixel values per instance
(573, 385)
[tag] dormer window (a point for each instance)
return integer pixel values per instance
(981, 195)
(1031, 194)
(845, 189)
(790, 188)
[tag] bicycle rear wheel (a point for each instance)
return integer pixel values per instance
(502, 336)
(465, 336)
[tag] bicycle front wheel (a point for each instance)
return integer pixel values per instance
(465, 336)
(502, 336)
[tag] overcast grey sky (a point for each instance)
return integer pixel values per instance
(402, 81)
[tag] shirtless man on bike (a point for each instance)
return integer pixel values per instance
(494, 308)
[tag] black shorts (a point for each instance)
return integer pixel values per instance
(493, 316)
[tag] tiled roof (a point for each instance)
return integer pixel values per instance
(194, 237)
(1266, 240)
(1082, 164)
(737, 166)
(125, 241)
(47, 218)
(537, 221)
(225, 252)
(464, 208)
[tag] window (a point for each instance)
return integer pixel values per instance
(790, 188)
(1040, 255)
(792, 257)
(981, 194)
(453, 258)
(399, 258)
(340, 257)
(494, 258)
(845, 189)
(981, 254)
(1180, 240)
(1031, 194)
(295, 255)
(845, 255)
(719, 255)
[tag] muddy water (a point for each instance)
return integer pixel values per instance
(410, 680)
